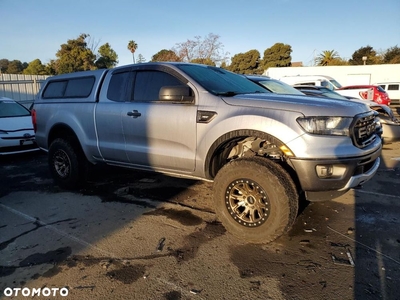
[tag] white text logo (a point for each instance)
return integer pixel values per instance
(26, 292)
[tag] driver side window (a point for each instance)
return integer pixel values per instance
(148, 84)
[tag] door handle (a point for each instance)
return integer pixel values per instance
(135, 114)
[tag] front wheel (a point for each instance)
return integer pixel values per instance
(67, 163)
(255, 199)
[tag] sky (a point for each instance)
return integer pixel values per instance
(36, 29)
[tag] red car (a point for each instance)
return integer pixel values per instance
(366, 92)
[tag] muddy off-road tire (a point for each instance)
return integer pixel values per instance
(67, 163)
(255, 199)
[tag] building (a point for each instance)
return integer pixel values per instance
(345, 75)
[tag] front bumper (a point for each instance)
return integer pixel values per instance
(354, 171)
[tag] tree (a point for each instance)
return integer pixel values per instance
(165, 55)
(35, 67)
(51, 68)
(141, 59)
(203, 61)
(246, 63)
(224, 65)
(15, 67)
(368, 52)
(339, 62)
(107, 57)
(4, 65)
(327, 57)
(206, 49)
(277, 56)
(392, 56)
(75, 56)
(132, 46)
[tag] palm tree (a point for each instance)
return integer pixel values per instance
(327, 57)
(132, 46)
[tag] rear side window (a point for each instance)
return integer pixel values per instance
(69, 88)
(55, 89)
(393, 87)
(118, 86)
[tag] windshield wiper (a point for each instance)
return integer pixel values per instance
(231, 93)
(228, 94)
(261, 92)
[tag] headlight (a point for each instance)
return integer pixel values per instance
(326, 125)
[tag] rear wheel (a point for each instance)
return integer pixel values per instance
(255, 199)
(67, 163)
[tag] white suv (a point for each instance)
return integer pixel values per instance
(392, 88)
(317, 80)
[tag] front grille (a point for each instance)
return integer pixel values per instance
(364, 130)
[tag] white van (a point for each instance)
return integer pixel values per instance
(317, 80)
(392, 88)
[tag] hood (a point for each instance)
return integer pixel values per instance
(307, 105)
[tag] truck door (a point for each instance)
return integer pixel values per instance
(108, 118)
(159, 134)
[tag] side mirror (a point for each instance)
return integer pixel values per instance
(178, 93)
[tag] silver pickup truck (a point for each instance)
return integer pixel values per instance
(263, 151)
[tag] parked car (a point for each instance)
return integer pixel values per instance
(392, 88)
(274, 85)
(367, 92)
(317, 80)
(390, 124)
(16, 129)
(320, 91)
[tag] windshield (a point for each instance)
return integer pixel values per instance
(12, 109)
(221, 82)
(336, 85)
(279, 87)
(379, 88)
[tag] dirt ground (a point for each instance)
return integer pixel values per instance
(136, 235)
